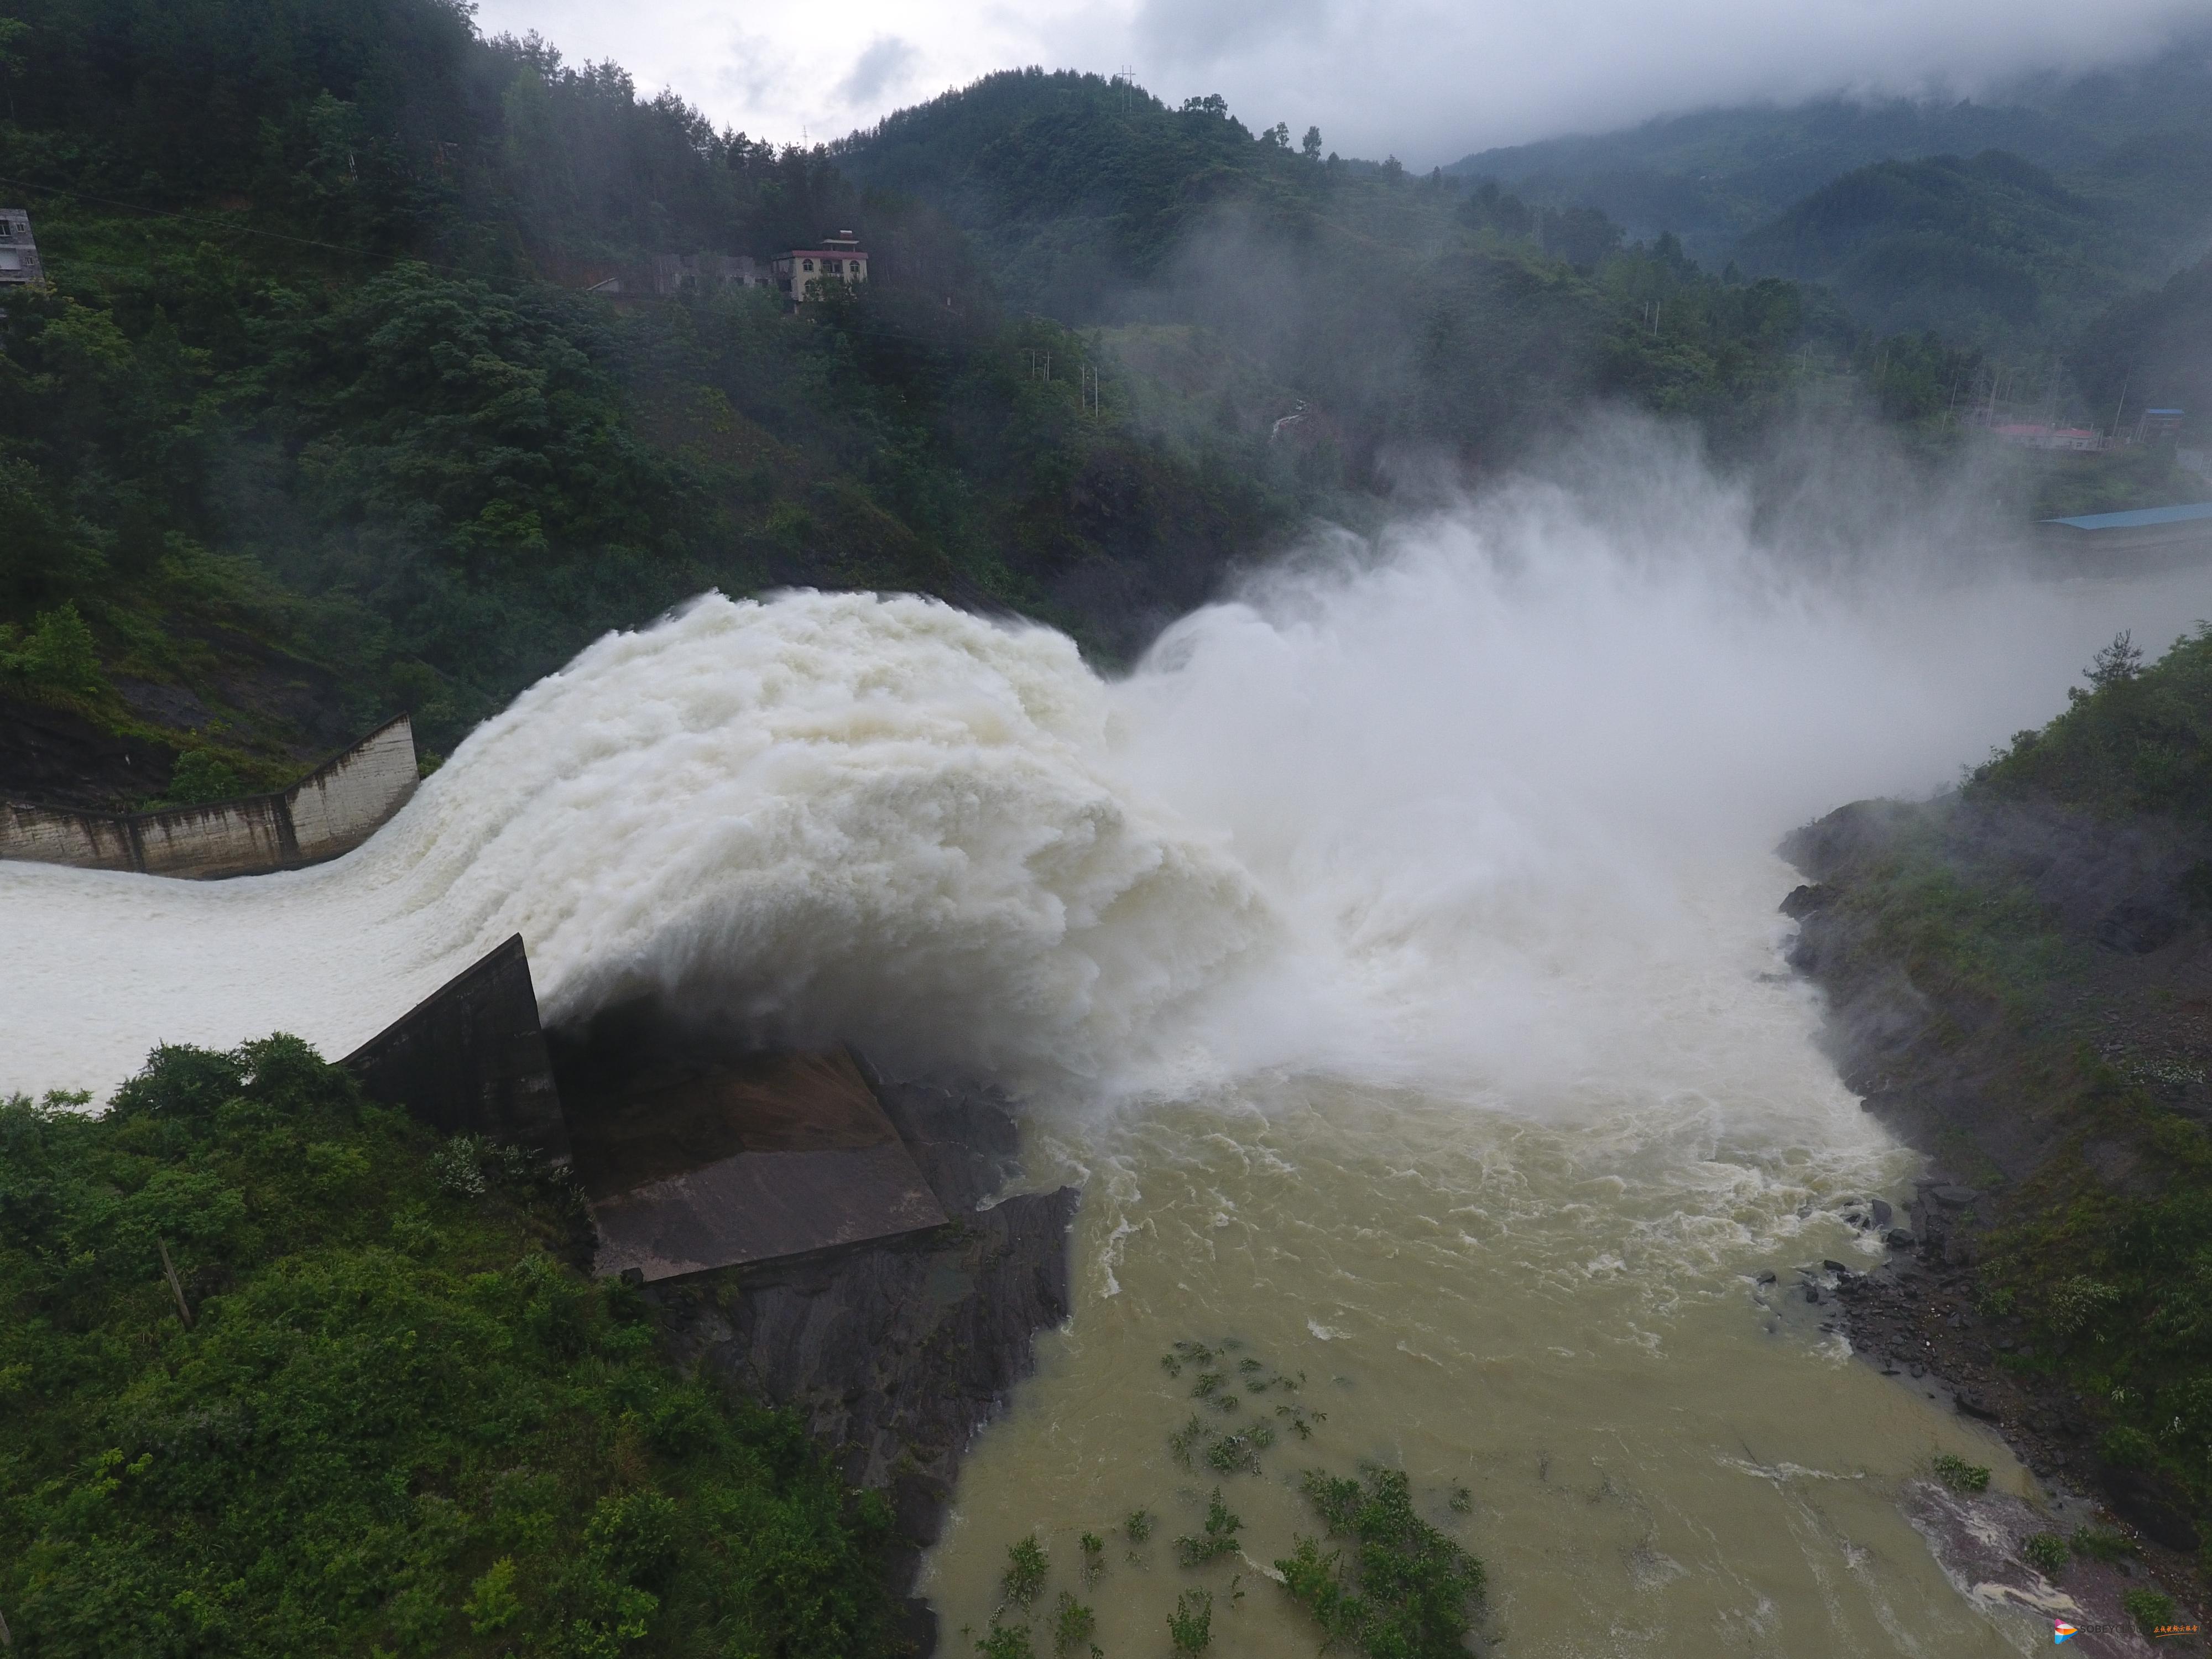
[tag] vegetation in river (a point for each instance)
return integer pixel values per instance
(1406, 1592)
(375, 1409)
(1027, 1568)
(1216, 1538)
(1190, 1627)
(1073, 1623)
(1960, 1475)
(1405, 1584)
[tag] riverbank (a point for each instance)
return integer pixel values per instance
(2018, 977)
(895, 1353)
(289, 1372)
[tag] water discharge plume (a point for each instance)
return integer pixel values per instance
(1492, 769)
(1435, 809)
(828, 816)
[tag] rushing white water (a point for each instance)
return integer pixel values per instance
(1394, 949)
(1437, 805)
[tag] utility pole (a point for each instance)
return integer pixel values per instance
(2125, 382)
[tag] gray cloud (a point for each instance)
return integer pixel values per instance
(1222, 31)
(881, 70)
(1426, 79)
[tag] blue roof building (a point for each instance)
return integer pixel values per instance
(2150, 534)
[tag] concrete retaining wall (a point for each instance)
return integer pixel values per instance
(470, 1058)
(344, 801)
(333, 810)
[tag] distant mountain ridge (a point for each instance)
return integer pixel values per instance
(1711, 176)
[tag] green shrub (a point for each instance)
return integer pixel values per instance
(1005, 1642)
(1218, 1539)
(201, 775)
(2076, 1302)
(2095, 1545)
(2129, 1449)
(1190, 1627)
(1138, 1526)
(399, 1420)
(2045, 1551)
(1960, 1475)
(1027, 1567)
(2149, 1609)
(1408, 1592)
(1094, 1556)
(57, 655)
(1073, 1625)
(493, 1605)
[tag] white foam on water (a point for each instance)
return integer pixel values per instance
(1477, 808)
(1395, 947)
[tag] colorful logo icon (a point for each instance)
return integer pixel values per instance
(2060, 1630)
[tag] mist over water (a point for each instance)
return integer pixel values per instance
(1416, 810)
(1393, 953)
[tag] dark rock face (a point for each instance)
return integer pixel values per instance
(2140, 926)
(898, 1351)
(1803, 901)
(57, 758)
(1938, 1062)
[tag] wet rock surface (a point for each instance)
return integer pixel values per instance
(896, 1352)
(1938, 1064)
(1981, 1542)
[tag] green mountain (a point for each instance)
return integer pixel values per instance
(2151, 351)
(1711, 175)
(317, 419)
(1993, 248)
(1407, 310)
(355, 385)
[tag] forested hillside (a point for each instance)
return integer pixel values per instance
(1409, 309)
(351, 388)
(315, 420)
(1995, 248)
(2016, 977)
(1714, 175)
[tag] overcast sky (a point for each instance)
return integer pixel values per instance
(1425, 80)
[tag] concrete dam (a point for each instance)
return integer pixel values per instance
(331, 810)
(692, 1156)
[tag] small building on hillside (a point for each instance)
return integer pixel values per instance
(19, 253)
(804, 272)
(699, 273)
(2040, 435)
(2156, 424)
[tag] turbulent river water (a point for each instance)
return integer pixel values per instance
(1393, 954)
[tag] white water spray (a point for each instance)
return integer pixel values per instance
(1443, 807)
